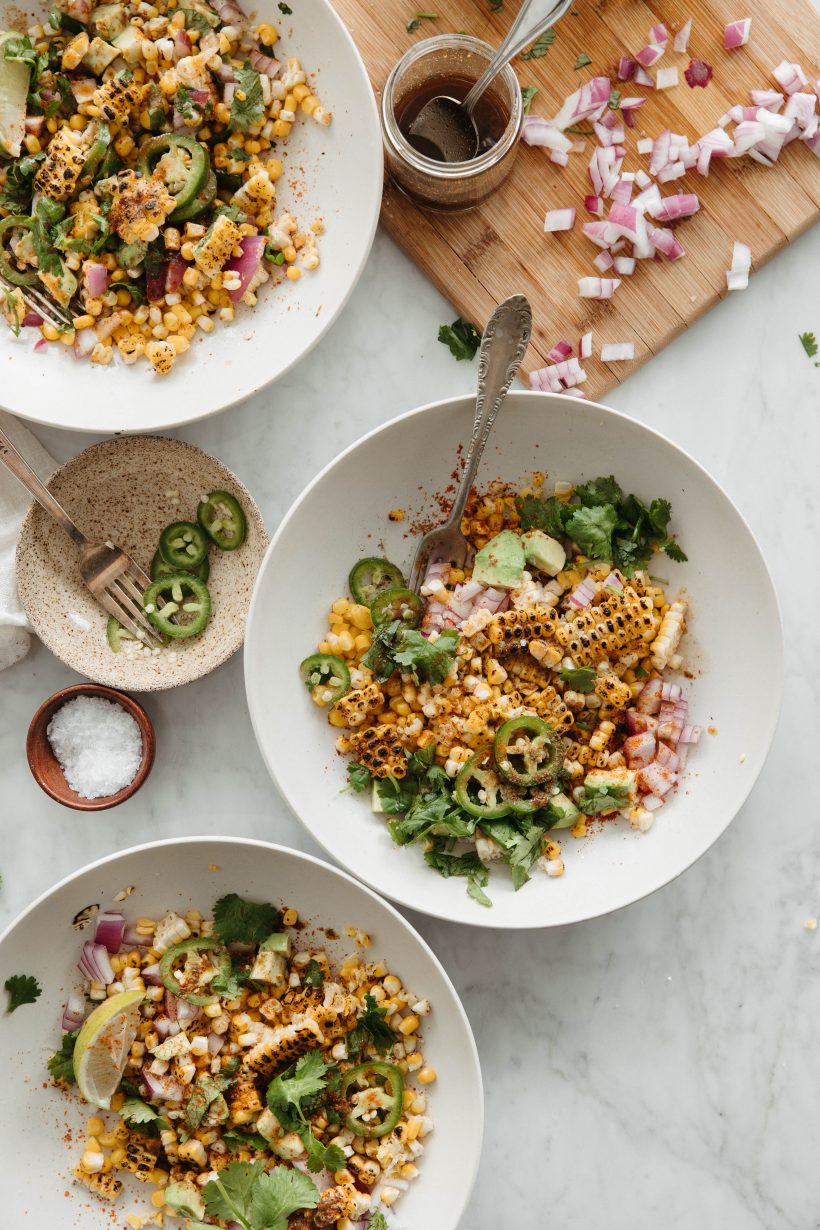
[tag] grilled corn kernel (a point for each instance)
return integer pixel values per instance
(426, 1076)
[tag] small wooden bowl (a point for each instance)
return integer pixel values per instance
(45, 766)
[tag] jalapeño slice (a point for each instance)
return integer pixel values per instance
(371, 577)
(159, 568)
(479, 789)
(186, 598)
(375, 1090)
(526, 750)
(188, 167)
(401, 604)
(221, 517)
(204, 959)
(183, 545)
(326, 677)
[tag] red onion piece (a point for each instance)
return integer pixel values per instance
(160, 1088)
(94, 963)
(617, 352)
(247, 264)
(639, 749)
(625, 266)
(559, 220)
(592, 97)
(74, 1012)
(642, 77)
(665, 242)
(594, 205)
(699, 73)
(647, 57)
(538, 131)
(559, 158)
(264, 64)
(215, 1044)
(155, 279)
(230, 12)
(35, 124)
(681, 39)
(690, 734)
(182, 45)
(648, 699)
(228, 93)
(150, 974)
(666, 79)
(96, 278)
(40, 346)
(659, 34)
(652, 802)
(583, 594)
(585, 346)
(110, 930)
(174, 274)
(31, 320)
(790, 76)
(772, 100)
(655, 779)
(736, 33)
(598, 288)
(639, 722)
(561, 350)
(682, 206)
(225, 73)
(626, 68)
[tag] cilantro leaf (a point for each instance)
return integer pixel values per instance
(547, 515)
(583, 60)
(809, 343)
(287, 1092)
(359, 776)
(599, 797)
(278, 1194)
(187, 108)
(61, 1063)
(22, 989)
(457, 865)
(319, 1156)
(228, 1197)
(580, 679)
(313, 976)
(247, 111)
(378, 1221)
(675, 552)
(371, 1029)
(206, 1091)
(237, 921)
(433, 660)
(521, 845)
(462, 338)
(600, 491)
(244, 1140)
(614, 100)
(134, 1111)
(477, 893)
(591, 529)
(528, 93)
(541, 46)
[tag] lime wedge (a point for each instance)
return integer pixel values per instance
(102, 1047)
(14, 78)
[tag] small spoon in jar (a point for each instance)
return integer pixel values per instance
(444, 128)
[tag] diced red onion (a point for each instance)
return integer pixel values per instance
(659, 34)
(617, 352)
(229, 92)
(215, 1044)
(594, 205)
(690, 734)
(174, 274)
(681, 39)
(268, 65)
(583, 594)
(559, 220)
(736, 33)
(652, 802)
(598, 288)
(639, 749)
(607, 135)
(230, 12)
(681, 206)
(603, 262)
(31, 320)
(225, 73)
(671, 729)
(252, 248)
(655, 779)
(585, 346)
(561, 350)
(165, 1027)
(35, 124)
(666, 243)
(160, 1088)
(150, 974)
(94, 963)
(632, 103)
(648, 699)
(699, 73)
(536, 130)
(772, 100)
(40, 346)
(559, 158)
(671, 691)
(737, 278)
(592, 97)
(645, 145)
(613, 582)
(790, 76)
(74, 1012)
(643, 78)
(666, 78)
(801, 109)
(110, 930)
(182, 44)
(626, 68)
(96, 278)
(625, 266)
(639, 722)
(649, 56)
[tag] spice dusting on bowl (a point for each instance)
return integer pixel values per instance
(98, 746)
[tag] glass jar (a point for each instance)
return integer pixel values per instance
(448, 186)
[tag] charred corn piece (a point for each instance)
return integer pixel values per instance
(104, 1184)
(334, 1204)
(59, 172)
(216, 246)
(508, 630)
(587, 620)
(244, 1102)
(358, 705)
(621, 625)
(522, 666)
(280, 1047)
(547, 704)
(116, 100)
(381, 751)
(139, 1160)
(613, 691)
(139, 206)
(666, 642)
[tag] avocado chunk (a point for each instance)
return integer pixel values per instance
(14, 82)
(99, 55)
(184, 1199)
(543, 552)
(109, 20)
(500, 564)
(562, 812)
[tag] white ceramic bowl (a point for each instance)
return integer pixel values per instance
(735, 643)
(190, 873)
(332, 173)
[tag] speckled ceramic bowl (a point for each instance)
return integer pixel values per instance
(127, 490)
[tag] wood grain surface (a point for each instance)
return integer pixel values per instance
(478, 258)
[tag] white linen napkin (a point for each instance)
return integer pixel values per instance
(14, 502)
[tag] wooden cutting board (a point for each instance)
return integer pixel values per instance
(478, 258)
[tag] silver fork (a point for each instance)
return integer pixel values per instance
(114, 579)
(41, 303)
(503, 346)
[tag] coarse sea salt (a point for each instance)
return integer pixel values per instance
(98, 745)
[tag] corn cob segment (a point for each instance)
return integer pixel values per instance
(613, 691)
(357, 706)
(509, 629)
(380, 749)
(669, 634)
(278, 1048)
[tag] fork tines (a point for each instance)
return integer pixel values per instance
(41, 303)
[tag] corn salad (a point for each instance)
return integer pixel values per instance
(141, 190)
(549, 704)
(212, 1077)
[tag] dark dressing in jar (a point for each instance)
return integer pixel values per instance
(490, 115)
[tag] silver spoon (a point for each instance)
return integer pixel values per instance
(502, 349)
(444, 128)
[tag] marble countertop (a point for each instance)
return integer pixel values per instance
(656, 1067)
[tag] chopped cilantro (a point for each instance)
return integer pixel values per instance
(614, 100)
(187, 108)
(371, 1029)
(423, 15)
(137, 1113)
(319, 1156)
(306, 1078)
(247, 108)
(61, 1063)
(528, 93)
(359, 777)
(244, 1140)
(256, 1198)
(541, 46)
(583, 60)
(206, 1091)
(599, 491)
(313, 976)
(21, 989)
(397, 647)
(462, 338)
(547, 515)
(378, 1221)
(580, 679)
(809, 343)
(237, 921)
(522, 843)
(591, 529)
(597, 798)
